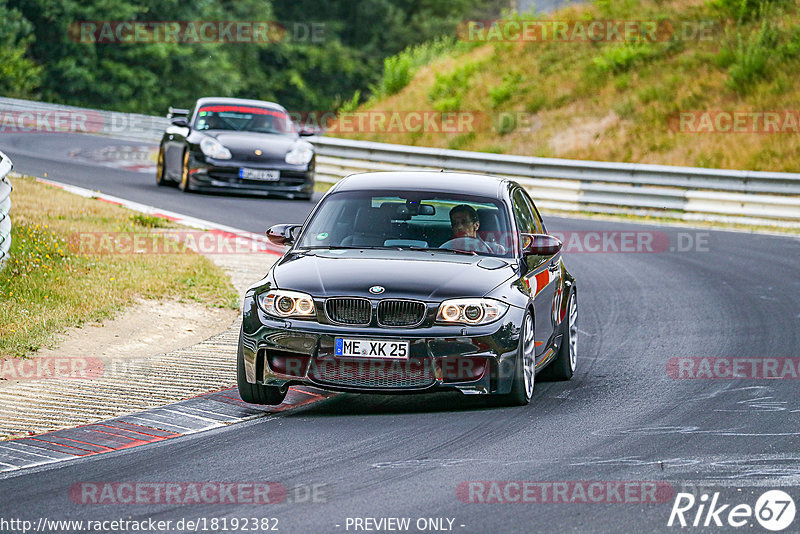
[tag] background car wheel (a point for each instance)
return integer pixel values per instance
(255, 393)
(525, 368)
(184, 184)
(303, 196)
(563, 367)
(160, 168)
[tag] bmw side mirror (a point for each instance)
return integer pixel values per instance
(180, 121)
(282, 234)
(540, 245)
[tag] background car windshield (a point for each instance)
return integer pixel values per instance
(363, 219)
(244, 118)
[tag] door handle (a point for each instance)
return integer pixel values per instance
(552, 267)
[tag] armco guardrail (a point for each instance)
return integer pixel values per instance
(5, 208)
(688, 193)
(26, 115)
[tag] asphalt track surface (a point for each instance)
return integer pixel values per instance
(621, 418)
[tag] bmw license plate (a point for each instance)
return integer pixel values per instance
(371, 348)
(268, 175)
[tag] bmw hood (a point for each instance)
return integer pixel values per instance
(428, 276)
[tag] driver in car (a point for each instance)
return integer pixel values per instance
(465, 222)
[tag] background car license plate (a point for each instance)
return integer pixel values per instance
(371, 348)
(259, 174)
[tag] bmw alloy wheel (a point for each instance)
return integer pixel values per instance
(528, 356)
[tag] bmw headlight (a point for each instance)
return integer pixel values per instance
(300, 154)
(214, 149)
(283, 303)
(473, 311)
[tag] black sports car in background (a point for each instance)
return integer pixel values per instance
(412, 282)
(248, 146)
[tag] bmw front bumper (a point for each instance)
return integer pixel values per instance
(471, 359)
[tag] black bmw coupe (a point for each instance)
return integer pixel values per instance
(412, 282)
(247, 146)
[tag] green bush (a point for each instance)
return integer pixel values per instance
(448, 104)
(396, 74)
(502, 93)
(399, 70)
(751, 57)
(622, 57)
(352, 104)
(447, 89)
(536, 103)
(744, 10)
(791, 48)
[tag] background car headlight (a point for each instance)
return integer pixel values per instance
(300, 154)
(214, 149)
(282, 303)
(470, 311)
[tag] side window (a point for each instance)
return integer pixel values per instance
(537, 219)
(523, 213)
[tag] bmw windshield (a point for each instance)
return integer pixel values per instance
(411, 220)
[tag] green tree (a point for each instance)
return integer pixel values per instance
(299, 73)
(19, 74)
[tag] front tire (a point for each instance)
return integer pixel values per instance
(524, 369)
(160, 180)
(255, 393)
(184, 185)
(563, 367)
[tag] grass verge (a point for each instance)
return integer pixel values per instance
(48, 286)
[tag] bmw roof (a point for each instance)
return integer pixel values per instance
(457, 182)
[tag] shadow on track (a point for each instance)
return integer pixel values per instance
(376, 404)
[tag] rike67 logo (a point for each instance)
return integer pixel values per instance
(774, 510)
